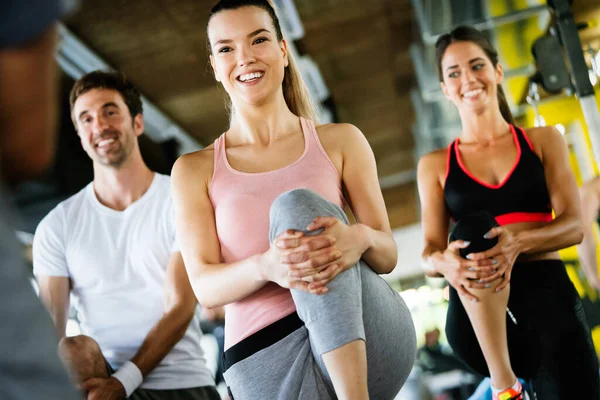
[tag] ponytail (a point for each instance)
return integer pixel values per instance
(295, 92)
(504, 108)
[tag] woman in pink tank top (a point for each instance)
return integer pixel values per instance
(295, 289)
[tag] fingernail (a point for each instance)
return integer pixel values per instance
(466, 242)
(480, 281)
(474, 300)
(471, 269)
(488, 285)
(494, 262)
(487, 235)
(469, 256)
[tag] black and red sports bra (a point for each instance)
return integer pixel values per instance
(521, 197)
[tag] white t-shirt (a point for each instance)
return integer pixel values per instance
(117, 261)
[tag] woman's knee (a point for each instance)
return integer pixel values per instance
(295, 197)
(297, 200)
(296, 209)
(488, 294)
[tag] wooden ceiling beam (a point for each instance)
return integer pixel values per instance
(325, 13)
(380, 105)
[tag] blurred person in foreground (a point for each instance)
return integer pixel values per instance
(28, 88)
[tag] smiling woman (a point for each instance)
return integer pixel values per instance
(517, 177)
(263, 231)
(225, 42)
(449, 75)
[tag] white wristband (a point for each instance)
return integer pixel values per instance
(130, 377)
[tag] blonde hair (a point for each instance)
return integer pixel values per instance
(295, 92)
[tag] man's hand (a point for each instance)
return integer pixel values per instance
(103, 389)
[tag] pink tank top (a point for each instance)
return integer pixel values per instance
(242, 202)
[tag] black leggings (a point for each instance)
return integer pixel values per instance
(550, 345)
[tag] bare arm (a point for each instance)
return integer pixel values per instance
(566, 229)
(590, 204)
(54, 293)
(214, 283)
(359, 174)
(434, 217)
(179, 307)
(28, 91)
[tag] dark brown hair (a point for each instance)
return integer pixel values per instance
(113, 80)
(295, 91)
(469, 34)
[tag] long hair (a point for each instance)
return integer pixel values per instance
(469, 34)
(295, 91)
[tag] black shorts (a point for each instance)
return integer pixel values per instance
(550, 345)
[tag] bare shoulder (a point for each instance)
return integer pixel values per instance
(432, 166)
(436, 160)
(337, 131)
(540, 132)
(342, 138)
(543, 138)
(195, 167)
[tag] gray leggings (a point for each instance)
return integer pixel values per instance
(358, 305)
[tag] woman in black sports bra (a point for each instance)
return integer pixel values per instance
(515, 299)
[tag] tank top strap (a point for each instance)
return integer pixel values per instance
(451, 161)
(523, 139)
(315, 152)
(313, 143)
(310, 133)
(218, 153)
(453, 154)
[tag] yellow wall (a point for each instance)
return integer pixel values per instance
(565, 111)
(515, 53)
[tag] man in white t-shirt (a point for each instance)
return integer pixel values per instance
(112, 249)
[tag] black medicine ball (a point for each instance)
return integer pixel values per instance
(471, 227)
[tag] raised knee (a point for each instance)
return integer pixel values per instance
(292, 198)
